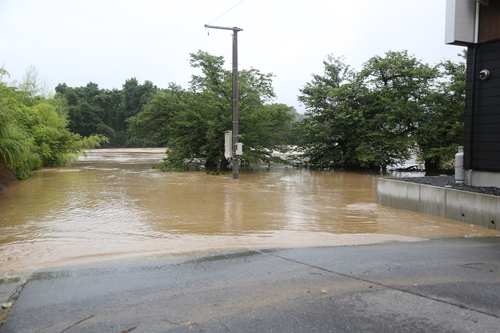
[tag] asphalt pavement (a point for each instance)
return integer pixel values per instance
(438, 285)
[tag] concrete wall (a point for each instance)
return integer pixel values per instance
(462, 206)
(482, 178)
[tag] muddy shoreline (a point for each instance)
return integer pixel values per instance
(6, 177)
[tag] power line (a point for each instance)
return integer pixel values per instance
(227, 11)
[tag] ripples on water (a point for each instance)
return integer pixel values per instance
(113, 203)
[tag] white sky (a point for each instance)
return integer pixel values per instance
(110, 41)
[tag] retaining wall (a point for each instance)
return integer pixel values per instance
(462, 206)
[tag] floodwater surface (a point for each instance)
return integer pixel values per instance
(112, 204)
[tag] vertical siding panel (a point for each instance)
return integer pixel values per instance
(486, 122)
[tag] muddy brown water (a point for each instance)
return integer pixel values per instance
(112, 204)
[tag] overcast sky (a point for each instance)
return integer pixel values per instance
(110, 41)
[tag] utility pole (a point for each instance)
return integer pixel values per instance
(235, 159)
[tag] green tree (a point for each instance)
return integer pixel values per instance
(15, 143)
(87, 114)
(135, 96)
(33, 85)
(441, 126)
(191, 122)
(335, 104)
(16, 146)
(34, 133)
(399, 87)
(365, 119)
(105, 112)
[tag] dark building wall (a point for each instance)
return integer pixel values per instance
(482, 121)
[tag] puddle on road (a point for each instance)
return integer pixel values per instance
(113, 204)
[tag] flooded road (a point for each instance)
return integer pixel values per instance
(112, 204)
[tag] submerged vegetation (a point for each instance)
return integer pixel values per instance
(395, 106)
(191, 122)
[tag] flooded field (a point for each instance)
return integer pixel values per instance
(112, 204)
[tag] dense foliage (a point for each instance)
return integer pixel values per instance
(100, 111)
(33, 129)
(191, 122)
(395, 106)
(441, 127)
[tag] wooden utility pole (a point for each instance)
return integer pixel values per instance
(235, 159)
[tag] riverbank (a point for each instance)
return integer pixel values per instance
(6, 177)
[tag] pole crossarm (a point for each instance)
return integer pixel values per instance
(222, 28)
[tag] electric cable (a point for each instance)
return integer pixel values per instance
(226, 12)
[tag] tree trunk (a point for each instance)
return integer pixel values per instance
(212, 164)
(431, 166)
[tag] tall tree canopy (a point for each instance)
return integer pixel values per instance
(191, 122)
(100, 111)
(380, 115)
(441, 126)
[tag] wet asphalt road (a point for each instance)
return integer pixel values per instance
(440, 285)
